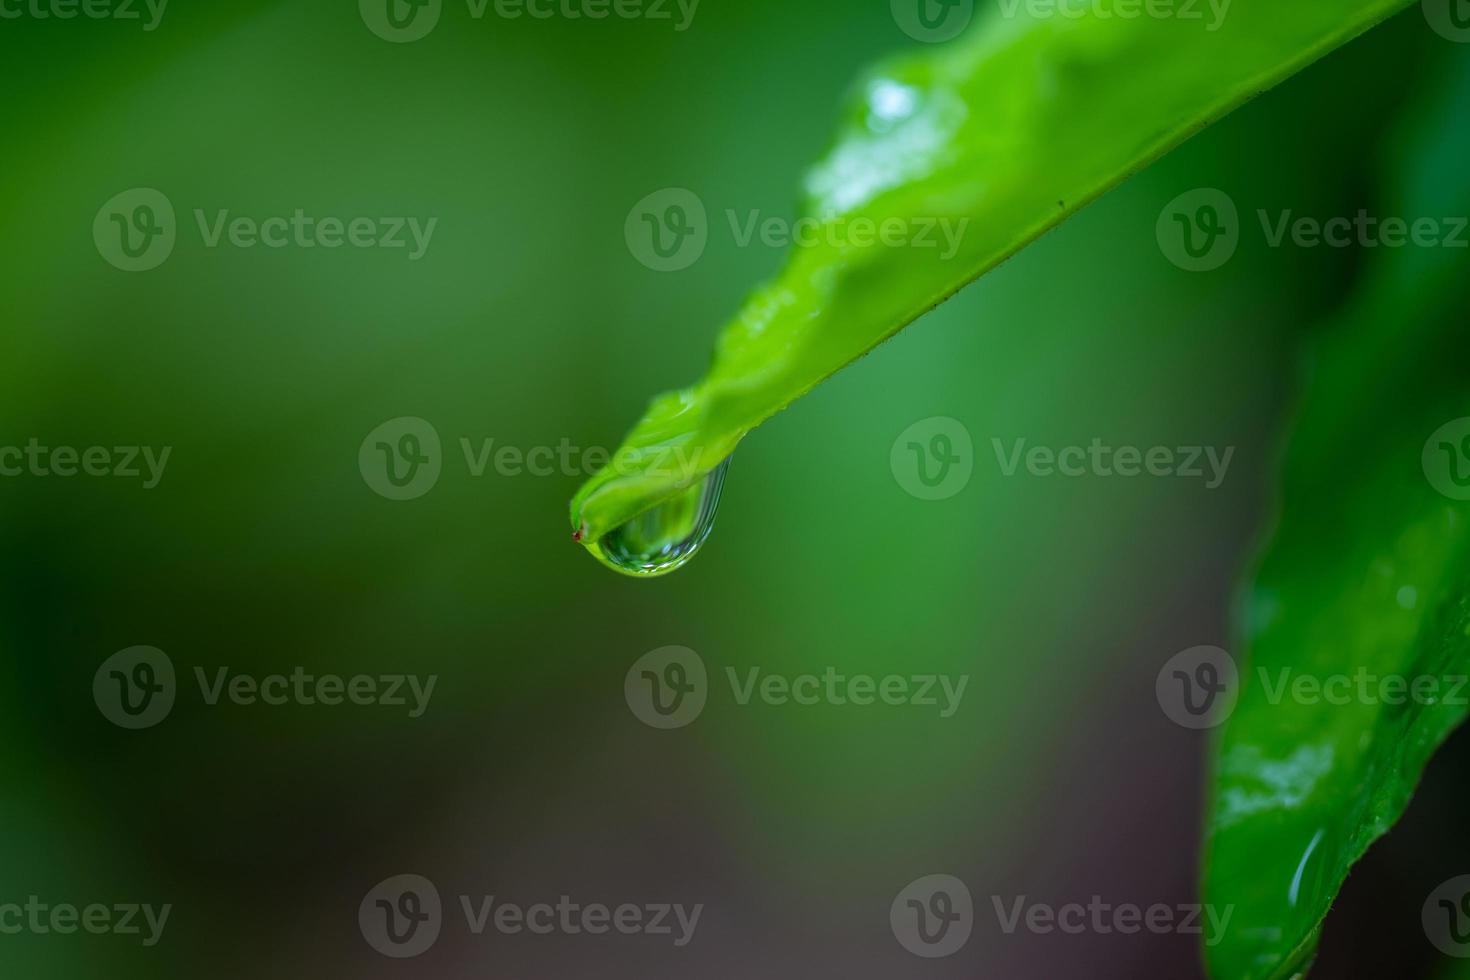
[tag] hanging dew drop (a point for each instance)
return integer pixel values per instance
(663, 539)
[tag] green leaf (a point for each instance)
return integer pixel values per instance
(1367, 579)
(1002, 134)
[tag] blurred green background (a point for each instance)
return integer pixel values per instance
(528, 321)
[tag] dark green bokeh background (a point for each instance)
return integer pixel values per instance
(529, 322)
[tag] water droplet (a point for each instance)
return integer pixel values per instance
(1408, 597)
(660, 540)
(1293, 893)
(889, 103)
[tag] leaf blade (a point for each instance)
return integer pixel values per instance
(1009, 132)
(1367, 576)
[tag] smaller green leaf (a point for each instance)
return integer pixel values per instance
(1358, 624)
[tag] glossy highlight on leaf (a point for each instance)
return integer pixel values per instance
(1001, 135)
